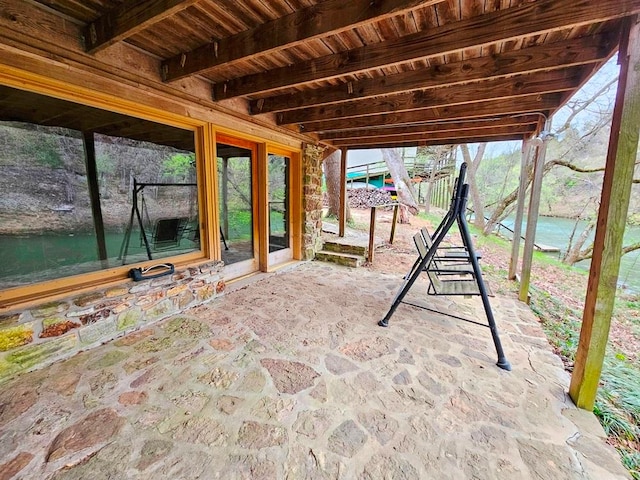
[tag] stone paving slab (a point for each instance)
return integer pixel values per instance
(290, 378)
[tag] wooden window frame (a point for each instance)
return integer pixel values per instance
(295, 197)
(27, 295)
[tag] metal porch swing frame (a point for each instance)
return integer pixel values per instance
(425, 263)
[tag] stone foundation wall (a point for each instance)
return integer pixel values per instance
(312, 201)
(35, 337)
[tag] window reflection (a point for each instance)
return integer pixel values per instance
(68, 186)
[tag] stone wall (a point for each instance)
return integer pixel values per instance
(312, 201)
(35, 337)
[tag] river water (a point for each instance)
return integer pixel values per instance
(556, 232)
(28, 255)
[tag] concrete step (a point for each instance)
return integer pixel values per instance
(346, 259)
(344, 248)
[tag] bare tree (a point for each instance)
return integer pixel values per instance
(438, 161)
(404, 186)
(576, 139)
(472, 169)
(331, 166)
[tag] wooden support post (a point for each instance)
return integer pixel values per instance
(94, 194)
(342, 220)
(517, 226)
(372, 235)
(394, 222)
(614, 203)
(532, 220)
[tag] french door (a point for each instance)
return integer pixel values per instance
(279, 208)
(255, 207)
(237, 205)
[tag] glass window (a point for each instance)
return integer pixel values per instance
(278, 174)
(83, 189)
(236, 203)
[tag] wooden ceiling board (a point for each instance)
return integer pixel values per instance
(429, 42)
(82, 10)
(226, 24)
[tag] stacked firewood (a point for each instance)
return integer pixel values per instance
(363, 198)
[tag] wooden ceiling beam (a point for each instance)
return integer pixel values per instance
(127, 19)
(324, 18)
(493, 108)
(451, 136)
(522, 85)
(515, 122)
(447, 141)
(530, 18)
(563, 54)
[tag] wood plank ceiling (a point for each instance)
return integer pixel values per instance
(363, 73)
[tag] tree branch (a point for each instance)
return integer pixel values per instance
(631, 248)
(576, 168)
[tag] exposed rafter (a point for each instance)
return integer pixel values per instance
(403, 69)
(533, 103)
(328, 17)
(542, 57)
(533, 83)
(129, 18)
(450, 137)
(446, 141)
(515, 122)
(531, 18)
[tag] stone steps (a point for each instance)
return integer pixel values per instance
(345, 248)
(346, 259)
(342, 254)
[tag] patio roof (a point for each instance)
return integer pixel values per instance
(369, 74)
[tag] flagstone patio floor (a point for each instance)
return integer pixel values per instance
(289, 377)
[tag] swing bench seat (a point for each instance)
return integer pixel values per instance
(168, 232)
(449, 253)
(447, 275)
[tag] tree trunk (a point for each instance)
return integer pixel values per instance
(331, 166)
(575, 253)
(404, 186)
(472, 168)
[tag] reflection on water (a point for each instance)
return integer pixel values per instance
(30, 259)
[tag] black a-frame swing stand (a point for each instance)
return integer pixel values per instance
(450, 273)
(174, 226)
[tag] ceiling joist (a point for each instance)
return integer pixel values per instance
(523, 85)
(493, 108)
(532, 18)
(446, 141)
(562, 54)
(329, 17)
(450, 137)
(516, 122)
(127, 19)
